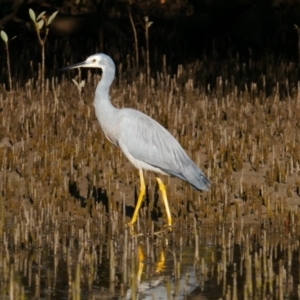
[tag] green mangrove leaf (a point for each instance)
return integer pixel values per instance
(40, 24)
(75, 82)
(4, 36)
(51, 18)
(32, 15)
(40, 15)
(81, 84)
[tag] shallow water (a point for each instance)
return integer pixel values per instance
(206, 262)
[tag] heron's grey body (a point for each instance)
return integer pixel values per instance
(146, 143)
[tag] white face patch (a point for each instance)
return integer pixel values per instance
(95, 62)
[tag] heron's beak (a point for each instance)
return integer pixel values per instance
(79, 65)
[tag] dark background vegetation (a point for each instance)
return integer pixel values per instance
(183, 30)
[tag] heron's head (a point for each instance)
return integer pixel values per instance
(99, 60)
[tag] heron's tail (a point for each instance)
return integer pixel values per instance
(193, 175)
(200, 183)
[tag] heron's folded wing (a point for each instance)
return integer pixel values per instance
(148, 141)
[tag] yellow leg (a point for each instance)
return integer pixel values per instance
(165, 200)
(140, 198)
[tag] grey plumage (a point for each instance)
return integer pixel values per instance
(146, 143)
(154, 145)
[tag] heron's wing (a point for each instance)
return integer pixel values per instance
(147, 141)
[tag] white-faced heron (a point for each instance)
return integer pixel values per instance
(146, 143)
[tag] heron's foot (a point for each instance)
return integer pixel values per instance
(130, 226)
(130, 223)
(168, 227)
(132, 231)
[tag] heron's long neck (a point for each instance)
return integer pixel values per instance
(102, 90)
(104, 109)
